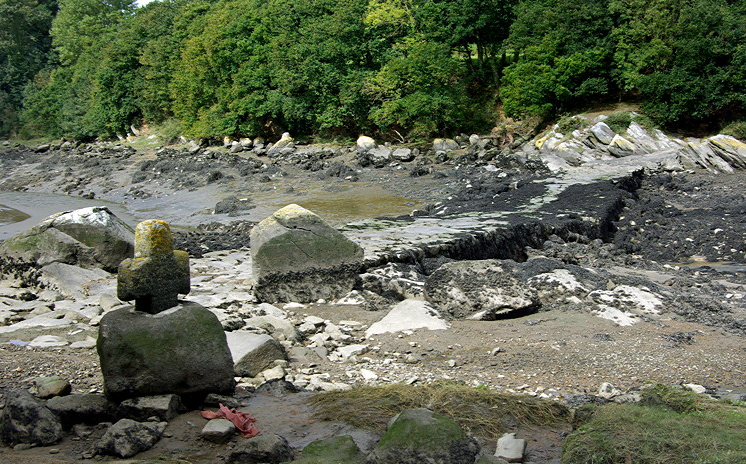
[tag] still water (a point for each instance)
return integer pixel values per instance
(21, 210)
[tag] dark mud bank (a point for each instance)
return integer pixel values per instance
(580, 213)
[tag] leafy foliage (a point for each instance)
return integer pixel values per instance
(88, 68)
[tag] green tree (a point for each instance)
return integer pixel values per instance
(565, 57)
(25, 48)
(685, 59)
(80, 24)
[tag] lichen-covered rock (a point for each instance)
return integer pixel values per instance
(420, 435)
(157, 274)
(296, 256)
(332, 450)
(182, 350)
(480, 290)
(126, 438)
(27, 420)
(88, 237)
(264, 448)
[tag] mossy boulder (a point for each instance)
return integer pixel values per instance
(88, 237)
(334, 450)
(420, 435)
(182, 350)
(297, 256)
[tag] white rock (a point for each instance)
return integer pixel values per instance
(315, 320)
(365, 143)
(510, 448)
(293, 305)
(696, 388)
(89, 342)
(408, 315)
(368, 375)
(40, 321)
(608, 391)
(602, 132)
(266, 309)
(346, 352)
(275, 373)
(47, 341)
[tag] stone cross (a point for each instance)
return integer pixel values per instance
(157, 273)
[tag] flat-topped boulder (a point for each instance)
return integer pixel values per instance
(297, 256)
(182, 350)
(88, 237)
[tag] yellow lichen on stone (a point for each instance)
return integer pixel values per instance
(729, 144)
(542, 140)
(622, 143)
(153, 238)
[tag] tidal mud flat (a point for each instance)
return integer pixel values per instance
(633, 268)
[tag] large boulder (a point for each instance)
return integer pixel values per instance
(296, 256)
(182, 350)
(420, 435)
(88, 237)
(480, 290)
(25, 419)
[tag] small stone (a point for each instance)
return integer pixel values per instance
(218, 430)
(608, 391)
(451, 363)
(54, 451)
(368, 375)
(265, 448)
(511, 448)
(699, 389)
(275, 373)
(47, 387)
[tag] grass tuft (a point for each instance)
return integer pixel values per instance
(478, 411)
(669, 426)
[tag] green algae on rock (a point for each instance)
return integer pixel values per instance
(297, 256)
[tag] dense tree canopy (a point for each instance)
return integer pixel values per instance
(414, 68)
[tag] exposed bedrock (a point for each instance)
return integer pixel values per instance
(525, 217)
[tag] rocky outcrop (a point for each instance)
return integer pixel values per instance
(89, 237)
(182, 350)
(598, 142)
(296, 256)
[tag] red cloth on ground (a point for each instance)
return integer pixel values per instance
(243, 421)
